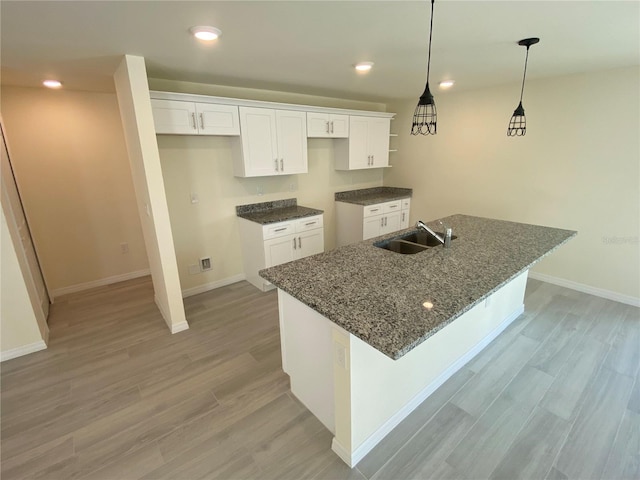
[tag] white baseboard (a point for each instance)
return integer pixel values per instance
(98, 283)
(189, 292)
(368, 445)
(24, 350)
(179, 327)
(581, 287)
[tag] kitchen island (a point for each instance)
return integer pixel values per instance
(367, 334)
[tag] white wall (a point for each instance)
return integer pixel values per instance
(137, 120)
(577, 167)
(203, 165)
(70, 160)
(19, 332)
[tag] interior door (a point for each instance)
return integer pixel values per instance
(15, 215)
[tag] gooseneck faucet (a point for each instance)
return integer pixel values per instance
(446, 241)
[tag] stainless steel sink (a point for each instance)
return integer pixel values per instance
(411, 243)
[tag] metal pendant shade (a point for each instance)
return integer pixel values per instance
(518, 123)
(425, 117)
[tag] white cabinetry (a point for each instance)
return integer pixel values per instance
(274, 142)
(358, 222)
(367, 145)
(325, 125)
(265, 246)
(189, 118)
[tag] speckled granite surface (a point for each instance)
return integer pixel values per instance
(276, 211)
(370, 196)
(377, 295)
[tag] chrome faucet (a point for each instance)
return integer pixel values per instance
(446, 241)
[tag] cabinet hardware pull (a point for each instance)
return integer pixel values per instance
(299, 242)
(331, 126)
(310, 223)
(327, 127)
(374, 209)
(385, 221)
(193, 119)
(276, 164)
(403, 216)
(280, 229)
(372, 159)
(294, 244)
(281, 165)
(202, 121)
(393, 206)
(382, 222)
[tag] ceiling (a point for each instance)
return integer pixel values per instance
(311, 46)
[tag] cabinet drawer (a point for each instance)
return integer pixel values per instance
(309, 223)
(280, 229)
(394, 206)
(406, 203)
(371, 210)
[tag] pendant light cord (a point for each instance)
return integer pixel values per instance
(430, 34)
(526, 59)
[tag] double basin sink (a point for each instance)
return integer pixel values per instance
(413, 242)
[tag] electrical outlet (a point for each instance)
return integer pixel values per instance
(205, 264)
(195, 198)
(194, 269)
(124, 247)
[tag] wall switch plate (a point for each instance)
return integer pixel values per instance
(205, 264)
(195, 198)
(124, 247)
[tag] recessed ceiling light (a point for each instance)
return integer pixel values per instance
(52, 83)
(363, 67)
(205, 33)
(447, 83)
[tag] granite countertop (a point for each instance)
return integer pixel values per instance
(378, 295)
(370, 196)
(275, 211)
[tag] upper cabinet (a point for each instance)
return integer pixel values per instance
(367, 146)
(271, 138)
(190, 118)
(274, 142)
(326, 125)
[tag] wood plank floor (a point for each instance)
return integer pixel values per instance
(116, 396)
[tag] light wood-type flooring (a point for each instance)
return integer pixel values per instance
(116, 396)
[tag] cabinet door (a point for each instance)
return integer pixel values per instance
(378, 141)
(292, 141)
(217, 119)
(280, 250)
(310, 243)
(404, 219)
(318, 125)
(259, 142)
(174, 117)
(371, 226)
(339, 126)
(392, 223)
(359, 156)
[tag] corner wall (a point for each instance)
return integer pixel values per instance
(577, 168)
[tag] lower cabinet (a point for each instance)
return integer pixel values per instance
(265, 246)
(361, 222)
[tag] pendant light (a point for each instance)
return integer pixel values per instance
(425, 115)
(518, 122)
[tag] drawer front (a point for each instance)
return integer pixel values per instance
(308, 223)
(276, 230)
(390, 207)
(371, 210)
(406, 203)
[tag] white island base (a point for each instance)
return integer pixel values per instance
(359, 393)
